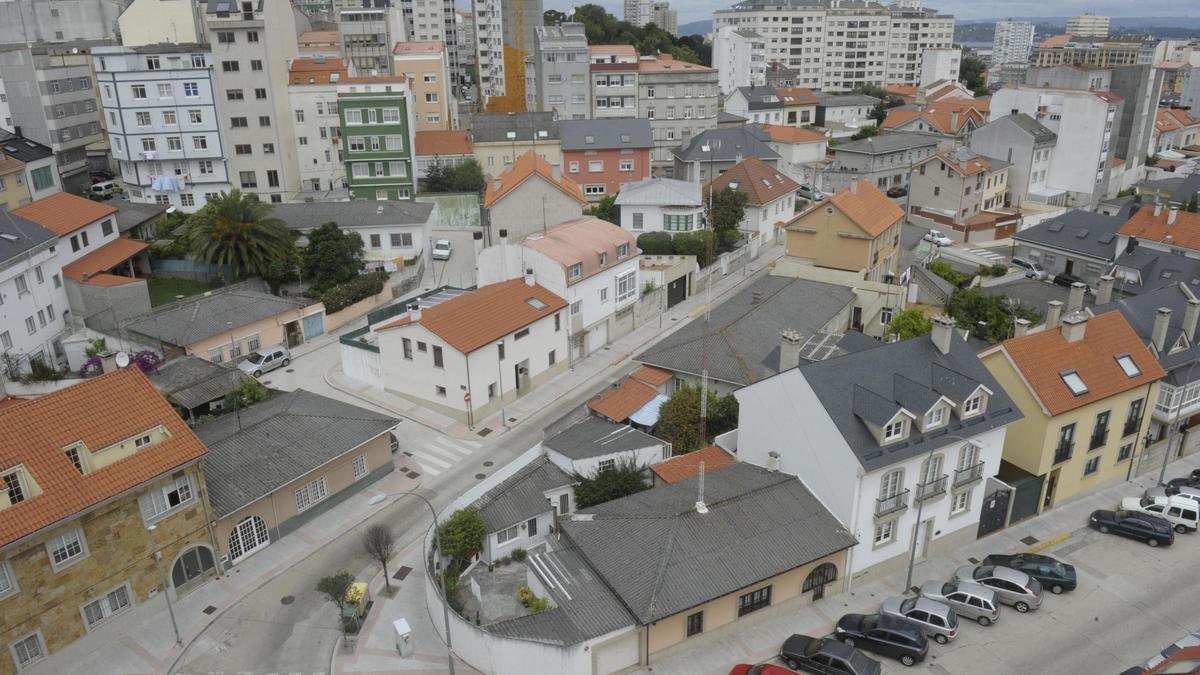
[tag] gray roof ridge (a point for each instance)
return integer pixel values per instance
(518, 477)
(662, 567)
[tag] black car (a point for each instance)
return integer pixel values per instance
(897, 192)
(826, 656)
(1190, 480)
(1141, 526)
(1056, 576)
(1065, 279)
(885, 635)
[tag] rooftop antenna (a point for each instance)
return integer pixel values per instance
(700, 506)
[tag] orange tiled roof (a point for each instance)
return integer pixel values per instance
(1042, 357)
(452, 142)
(688, 466)
(1055, 41)
(761, 182)
(1170, 119)
(100, 412)
(940, 116)
(527, 165)
(419, 47)
(785, 134)
(868, 207)
(652, 376)
(667, 63)
(104, 259)
(613, 50)
(1184, 232)
(902, 90)
(319, 37)
(309, 71)
(62, 213)
(476, 319)
(619, 402)
(798, 96)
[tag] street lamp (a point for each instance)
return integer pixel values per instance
(912, 553)
(437, 545)
(157, 555)
(500, 379)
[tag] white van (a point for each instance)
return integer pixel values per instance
(1181, 512)
(104, 190)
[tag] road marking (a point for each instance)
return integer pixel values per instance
(696, 312)
(422, 458)
(1047, 544)
(441, 453)
(454, 447)
(984, 253)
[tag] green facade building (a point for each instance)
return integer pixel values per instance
(378, 128)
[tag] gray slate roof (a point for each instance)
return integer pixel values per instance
(760, 98)
(132, 214)
(595, 437)
(844, 100)
(728, 118)
(1034, 128)
(521, 496)
(867, 385)
(1157, 269)
(24, 149)
(275, 441)
(190, 381)
(357, 213)
(1141, 311)
(885, 143)
(18, 235)
(728, 145)
(743, 340)
(186, 321)
(661, 557)
(1190, 187)
(1081, 232)
(661, 192)
(606, 134)
(493, 127)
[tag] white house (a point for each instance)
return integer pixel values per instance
(844, 114)
(740, 57)
(392, 231)
(661, 205)
(882, 433)
(771, 196)
(757, 104)
(522, 509)
(33, 299)
(594, 444)
(591, 263)
(801, 152)
(469, 355)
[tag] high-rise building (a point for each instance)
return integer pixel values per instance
(1013, 42)
(561, 71)
(1088, 26)
(1063, 50)
(312, 95)
(368, 34)
(739, 55)
(63, 21)
(637, 12)
(464, 27)
(940, 65)
(521, 19)
(664, 17)
(489, 49)
(679, 99)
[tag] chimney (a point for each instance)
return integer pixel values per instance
(773, 461)
(1157, 208)
(1075, 299)
(414, 312)
(1104, 290)
(1073, 326)
(853, 187)
(1162, 321)
(1021, 328)
(1190, 315)
(943, 333)
(1053, 313)
(17, 132)
(529, 281)
(108, 362)
(789, 349)
(701, 508)
(496, 185)
(1172, 214)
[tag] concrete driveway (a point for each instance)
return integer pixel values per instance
(459, 270)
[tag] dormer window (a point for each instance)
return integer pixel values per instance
(603, 259)
(622, 250)
(1074, 382)
(1127, 365)
(935, 418)
(11, 483)
(73, 454)
(972, 406)
(893, 431)
(141, 441)
(574, 270)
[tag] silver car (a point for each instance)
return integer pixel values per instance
(264, 360)
(965, 598)
(937, 620)
(1014, 588)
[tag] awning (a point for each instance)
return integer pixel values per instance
(647, 415)
(104, 259)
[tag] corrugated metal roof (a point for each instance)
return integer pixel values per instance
(190, 381)
(660, 192)
(594, 437)
(522, 495)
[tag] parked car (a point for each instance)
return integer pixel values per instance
(441, 249)
(937, 620)
(937, 238)
(1012, 587)
(1182, 481)
(759, 669)
(1032, 269)
(897, 192)
(1052, 574)
(1186, 491)
(885, 635)
(264, 360)
(1181, 512)
(100, 176)
(965, 598)
(1141, 526)
(825, 655)
(1068, 280)
(810, 193)
(104, 190)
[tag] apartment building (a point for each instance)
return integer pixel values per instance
(437, 21)
(163, 123)
(614, 78)
(637, 12)
(1028, 146)
(14, 191)
(884, 160)
(150, 22)
(1088, 26)
(561, 72)
(939, 65)
(30, 21)
(664, 17)
(740, 57)
(251, 48)
(857, 230)
(427, 67)
(367, 35)
(680, 100)
(1062, 50)
(489, 49)
(498, 138)
(312, 96)
(963, 194)
(1013, 42)
(603, 155)
(464, 28)
(31, 285)
(378, 127)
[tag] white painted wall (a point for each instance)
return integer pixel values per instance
(652, 454)
(18, 308)
(763, 218)
(495, 550)
(95, 239)
(800, 161)
(317, 156)
(652, 217)
(740, 61)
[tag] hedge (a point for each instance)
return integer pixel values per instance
(345, 294)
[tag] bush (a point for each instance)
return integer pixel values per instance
(625, 478)
(519, 554)
(345, 294)
(910, 323)
(997, 270)
(539, 604)
(655, 243)
(945, 271)
(525, 596)
(462, 534)
(693, 243)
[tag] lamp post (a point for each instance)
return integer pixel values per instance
(437, 545)
(157, 555)
(912, 553)
(500, 379)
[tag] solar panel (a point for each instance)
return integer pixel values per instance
(1107, 238)
(1082, 233)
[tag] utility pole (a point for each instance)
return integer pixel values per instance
(709, 233)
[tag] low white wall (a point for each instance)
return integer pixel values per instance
(362, 365)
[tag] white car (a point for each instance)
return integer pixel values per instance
(937, 238)
(441, 249)
(1181, 512)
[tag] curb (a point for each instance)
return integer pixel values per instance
(1047, 544)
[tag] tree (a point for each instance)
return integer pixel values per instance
(971, 72)
(379, 543)
(462, 534)
(333, 256)
(238, 230)
(605, 209)
(988, 317)
(679, 418)
(728, 209)
(685, 53)
(282, 271)
(910, 323)
(655, 243)
(623, 479)
(248, 392)
(694, 243)
(468, 177)
(879, 112)
(553, 17)
(335, 587)
(865, 132)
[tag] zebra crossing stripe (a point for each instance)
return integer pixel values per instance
(453, 447)
(423, 458)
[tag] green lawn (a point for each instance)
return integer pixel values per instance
(163, 290)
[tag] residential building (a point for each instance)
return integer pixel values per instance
(562, 71)
(772, 325)
(392, 232)
(41, 171)
(1079, 242)
(661, 205)
(378, 126)
(281, 462)
(877, 432)
(1175, 129)
(250, 53)
(13, 190)
(950, 122)
(1083, 386)
(637, 12)
(524, 508)
(1166, 230)
(779, 75)
(532, 196)
(1174, 76)
(939, 65)
(592, 445)
(589, 263)
(770, 197)
(368, 33)
(319, 44)
(715, 151)
(312, 95)
(105, 497)
(489, 50)
(163, 124)
(635, 399)
(683, 467)
(1088, 26)
(468, 356)
(52, 100)
(32, 286)
(843, 115)
(29, 22)
(1189, 187)
(963, 194)
(195, 387)
(664, 17)
(450, 148)
(520, 19)
(464, 28)
(883, 160)
(1190, 98)
(799, 106)
(740, 57)
(1068, 49)
(603, 155)
(1027, 145)
(146, 22)
(438, 21)
(679, 99)
(801, 152)
(857, 230)
(614, 78)
(1013, 42)
(756, 104)
(427, 67)
(499, 138)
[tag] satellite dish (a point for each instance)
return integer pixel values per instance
(122, 359)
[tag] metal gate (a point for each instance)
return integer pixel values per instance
(314, 325)
(1026, 497)
(677, 291)
(994, 514)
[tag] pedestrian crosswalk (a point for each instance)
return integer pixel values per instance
(984, 253)
(438, 453)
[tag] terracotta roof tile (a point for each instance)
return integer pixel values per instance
(869, 208)
(965, 167)
(798, 96)
(1184, 232)
(527, 165)
(617, 403)
(785, 134)
(314, 71)
(319, 37)
(761, 182)
(687, 466)
(1042, 357)
(655, 377)
(581, 241)
(62, 213)
(104, 259)
(904, 90)
(419, 47)
(453, 142)
(1055, 41)
(10, 164)
(940, 116)
(473, 320)
(100, 412)
(667, 63)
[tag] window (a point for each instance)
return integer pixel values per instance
(225, 37)
(12, 485)
(187, 199)
(230, 66)
(302, 140)
(260, 93)
(28, 650)
(972, 406)
(299, 115)
(264, 120)
(142, 119)
(139, 91)
(1092, 466)
(66, 548)
(6, 340)
(8, 584)
(148, 144)
(191, 89)
(595, 166)
(1127, 365)
(885, 316)
(206, 167)
(393, 142)
(216, 354)
(576, 307)
(557, 322)
(893, 430)
(960, 502)
(360, 466)
(42, 178)
(268, 148)
(1125, 452)
(195, 117)
(607, 465)
(272, 178)
(603, 295)
(935, 418)
(524, 332)
(174, 143)
(164, 90)
(30, 325)
(406, 345)
(574, 270)
(311, 494)
(234, 94)
(353, 117)
(242, 149)
(437, 357)
(508, 534)
(638, 221)
(238, 122)
(256, 65)
(754, 600)
(391, 115)
(626, 286)
(101, 608)
(1074, 382)
(531, 527)
(22, 285)
(884, 532)
(695, 624)
(252, 36)
(248, 179)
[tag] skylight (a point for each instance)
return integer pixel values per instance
(1127, 365)
(536, 304)
(1074, 382)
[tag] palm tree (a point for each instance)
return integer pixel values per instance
(239, 231)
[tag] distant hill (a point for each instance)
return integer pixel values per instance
(696, 28)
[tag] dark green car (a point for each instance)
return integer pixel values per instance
(1054, 575)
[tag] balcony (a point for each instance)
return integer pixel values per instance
(1063, 452)
(1131, 427)
(931, 489)
(969, 475)
(887, 505)
(1098, 439)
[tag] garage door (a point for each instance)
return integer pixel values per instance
(677, 291)
(314, 325)
(616, 654)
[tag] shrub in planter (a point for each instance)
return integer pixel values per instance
(539, 604)
(518, 554)
(525, 596)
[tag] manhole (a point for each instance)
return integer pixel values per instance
(488, 463)
(402, 573)
(480, 476)
(512, 419)
(210, 609)
(290, 370)
(485, 431)
(1029, 541)
(412, 474)
(287, 600)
